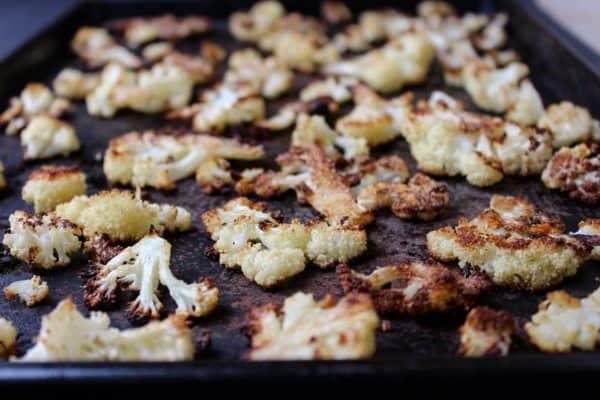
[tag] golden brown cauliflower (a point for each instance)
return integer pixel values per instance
(268, 252)
(74, 84)
(43, 241)
(513, 243)
(563, 323)
(30, 291)
(121, 216)
(486, 333)
(287, 115)
(404, 60)
(416, 289)
(569, 124)
(140, 30)
(160, 160)
(46, 137)
(51, 185)
(337, 88)
(309, 330)
(261, 19)
(589, 229)
(576, 171)
(8, 338)
(97, 48)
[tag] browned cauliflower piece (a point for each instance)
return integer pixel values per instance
(66, 335)
(287, 115)
(269, 252)
(590, 229)
(417, 288)
(569, 124)
(563, 323)
(74, 84)
(306, 329)
(513, 243)
(214, 174)
(140, 30)
(404, 60)
(421, 197)
(36, 99)
(97, 48)
(337, 88)
(30, 291)
(43, 241)
(335, 12)
(160, 160)
(51, 185)
(46, 137)
(8, 338)
(486, 333)
(156, 51)
(576, 171)
(261, 19)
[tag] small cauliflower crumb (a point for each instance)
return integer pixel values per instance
(569, 124)
(513, 243)
(563, 323)
(66, 335)
(51, 185)
(8, 337)
(43, 241)
(30, 291)
(97, 48)
(486, 333)
(304, 329)
(46, 137)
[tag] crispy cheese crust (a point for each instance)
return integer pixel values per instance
(51, 185)
(310, 330)
(416, 289)
(576, 171)
(563, 323)
(512, 242)
(486, 333)
(30, 291)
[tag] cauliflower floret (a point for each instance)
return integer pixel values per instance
(416, 289)
(306, 329)
(335, 12)
(250, 26)
(158, 160)
(337, 88)
(8, 337)
(374, 118)
(46, 137)
(74, 84)
(268, 252)
(140, 30)
(42, 241)
(35, 99)
(365, 172)
(314, 131)
(213, 175)
(30, 291)
(528, 107)
(564, 322)
(591, 228)
(100, 102)
(66, 335)
(493, 36)
(267, 76)
(421, 198)
(486, 333)
(199, 69)
(287, 115)
(576, 171)
(569, 124)
(142, 268)
(304, 51)
(155, 52)
(513, 243)
(2, 178)
(97, 48)
(404, 60)
(52, 185)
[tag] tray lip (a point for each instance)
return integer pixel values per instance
(406, 367)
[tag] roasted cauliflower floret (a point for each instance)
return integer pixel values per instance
(563, 323)
(404, 60)
(335, 12)
(416, 288)
(268, 76)
(140, 30)
(513, 243)
(214, 174)
(421, 197)
(142, 268)
(30, 291)
(74, 84)
(368, 171)
(287, 115)
(8, 338)
(576, 171)
(569, 124)
(51, 185)
(591, 228)
(155, 52)
(493, 35)
(2, 178)
(486, 333)
(304, 51)
(250, 26)
(337, 88)
(35, 99)
(269, 252)
(121, 216)
(159, 160)
(97, 48)
(306, 329)
(46, 137)
(66, 335)
(42, 241)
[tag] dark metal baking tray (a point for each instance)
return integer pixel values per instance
(413, 349)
